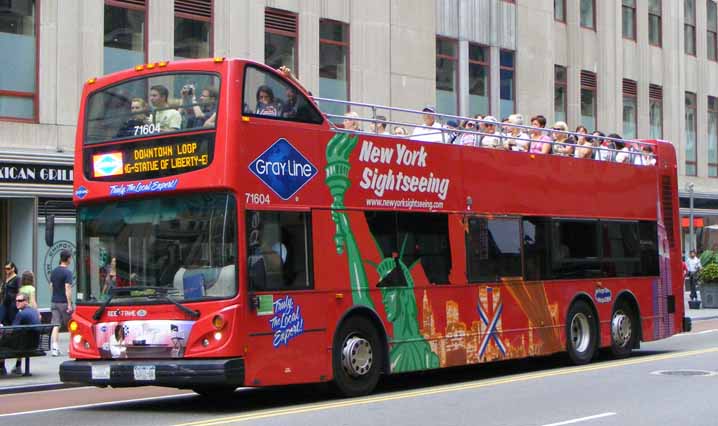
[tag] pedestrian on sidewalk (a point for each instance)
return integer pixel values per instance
(9, 291)
(694, 266)
(61, 302)
(26, 315)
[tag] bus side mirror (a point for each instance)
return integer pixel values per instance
(50, 230)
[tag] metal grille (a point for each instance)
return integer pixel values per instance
(140, 3)
(60, 207)
(588, 79)
(280, 20)
(196, 8)
(630, 87)
(655, 92)
(667, 203)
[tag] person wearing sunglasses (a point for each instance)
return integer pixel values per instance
(9, 290)
(26, 315)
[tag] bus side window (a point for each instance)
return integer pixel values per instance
(267, 95)
(494, 249)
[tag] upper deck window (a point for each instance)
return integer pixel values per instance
(268, 96)
(152, 105)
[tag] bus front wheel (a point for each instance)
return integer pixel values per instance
(581, 333)
(357, 357)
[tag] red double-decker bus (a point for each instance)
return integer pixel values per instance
(230, 235)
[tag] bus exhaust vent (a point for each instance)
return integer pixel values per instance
(667, 203)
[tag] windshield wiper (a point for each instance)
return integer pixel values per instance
(112, 290)
(183, 308)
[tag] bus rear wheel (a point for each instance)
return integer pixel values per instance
(581, 333)
(357, 357)
(623, 329)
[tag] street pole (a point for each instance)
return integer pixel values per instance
(691, 232)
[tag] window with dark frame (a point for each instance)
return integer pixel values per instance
(334, 64)
(575, 248)
(630, 109)
(18, 84)
(629, 19)
(279, 251)
(447, 75)
(125, 34)
(560, 94)
(280, 39)
(493, 249)
(655, 23)
(479, 80)
(689, 27)
(589, 87)
(193, 29)
(508, 83)
(712, 30)
(559, 10)
(712, 136)
(655, 110)
(588, 14)
(691, 133)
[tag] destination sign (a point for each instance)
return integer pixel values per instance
(151, 159)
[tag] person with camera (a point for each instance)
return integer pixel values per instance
(202, 113)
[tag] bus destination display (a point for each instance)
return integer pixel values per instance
(152, 159)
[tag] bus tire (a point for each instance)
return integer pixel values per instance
(581, 333)
(624, 331)
(357, 357)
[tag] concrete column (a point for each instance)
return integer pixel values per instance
(160, 30)
(574, 63)
(47, 63)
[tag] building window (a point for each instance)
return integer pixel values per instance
(588, 14)
(447, 79)
(18, 83)
(125, 32)
(479, 98)
(334, 64)
(689, 28)
(193, 29)
(630, 109)
(280, 39)
(507, 70)
(560, 84)
(712, 27)
(712, 136)
(691, 131)
(629, 19)
(655, 110)
(655, 29)
(559, 10)
(588, 99)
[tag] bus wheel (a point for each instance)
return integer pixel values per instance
(581, 333)
(623, 329)
(357, 357)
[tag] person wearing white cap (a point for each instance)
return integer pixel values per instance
(432, 130)
(519, 140)
(490, 140)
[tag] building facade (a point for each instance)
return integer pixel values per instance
(639, 68)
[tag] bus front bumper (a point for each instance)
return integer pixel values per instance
(177, 373)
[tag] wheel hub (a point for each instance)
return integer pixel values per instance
(580, 332)
(621, 329)
(357, 356)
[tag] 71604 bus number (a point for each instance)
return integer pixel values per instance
(147, 129)
(254, 198)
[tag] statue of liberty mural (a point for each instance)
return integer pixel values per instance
(410, 351)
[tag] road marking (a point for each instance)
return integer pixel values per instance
(15, 394)
(442, 389)
(582, 419)
(98, 404)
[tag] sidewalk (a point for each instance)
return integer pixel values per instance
(45, 370)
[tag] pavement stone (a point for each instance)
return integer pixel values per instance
(45, 370)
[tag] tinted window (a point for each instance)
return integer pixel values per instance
(494, 247)
(648, 234)
(575, 249)
(416, 238)
(269, 96)
(279, 249)
(536, 241)
(621, 249)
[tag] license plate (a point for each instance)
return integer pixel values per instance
(100, 372)
(144, 372)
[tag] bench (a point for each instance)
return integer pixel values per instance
(25, 341)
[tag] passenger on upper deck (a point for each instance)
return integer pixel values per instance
(646, 158)
(540, 142)
(202, 113)
(603, 152)
(563, 143)
(167, 118)
(432, 130)
(585, 150)
(380, 126)
(624, 152)
(469, 139)
(138, 108)
(519, 140)
(399, 131)
(490, 140)
(350, 123)
(266, 104)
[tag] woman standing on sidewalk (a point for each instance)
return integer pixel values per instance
(9, 292)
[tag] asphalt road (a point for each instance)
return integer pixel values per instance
(539, 392)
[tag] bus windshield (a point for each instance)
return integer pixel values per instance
(151, 105)
(184, 247)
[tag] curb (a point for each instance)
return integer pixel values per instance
(36, 388)
(704, 318)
